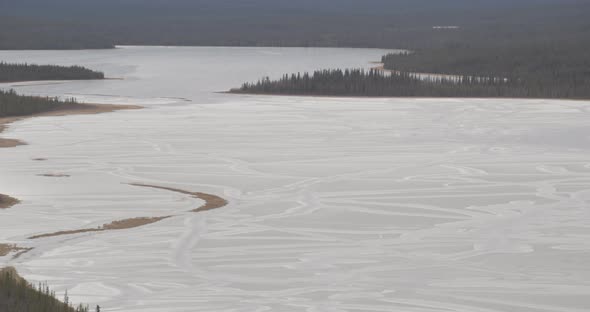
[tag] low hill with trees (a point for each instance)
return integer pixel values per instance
(31, 72)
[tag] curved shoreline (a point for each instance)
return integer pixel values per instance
(61, 110)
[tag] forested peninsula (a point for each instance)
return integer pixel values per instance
(10, 72)
(377, 83)
(518, 67)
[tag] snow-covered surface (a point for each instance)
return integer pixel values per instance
(415, 205)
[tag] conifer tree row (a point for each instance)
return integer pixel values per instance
(358, 82)
(31, 72)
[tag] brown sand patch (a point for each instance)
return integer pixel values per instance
(211, 201)
(61, 110)
(7, 201)
(115, 225)
(132, 223)
(6, 249)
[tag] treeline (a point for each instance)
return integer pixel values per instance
(375, 83)
(17, 295)
(13, 104)
(31, 72)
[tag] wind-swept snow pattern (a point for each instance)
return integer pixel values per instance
(417, 205)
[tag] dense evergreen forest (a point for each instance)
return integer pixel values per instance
(358, 82)
(13, 104)
(17, 295)
(549, 69)
(30, 72)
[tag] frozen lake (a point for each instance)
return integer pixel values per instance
(414, 205)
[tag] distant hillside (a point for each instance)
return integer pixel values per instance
(74, 24)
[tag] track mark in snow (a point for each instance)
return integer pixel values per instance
(194, 227)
